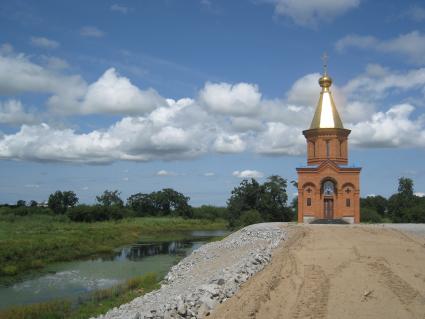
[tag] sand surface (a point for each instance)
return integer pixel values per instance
(334, 271)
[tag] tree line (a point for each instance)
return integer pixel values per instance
(401, 207)
(110, 206)
(249, 202)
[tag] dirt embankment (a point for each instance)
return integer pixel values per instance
(329, 271)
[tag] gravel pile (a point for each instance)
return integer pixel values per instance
(210, 275)
(414, 229)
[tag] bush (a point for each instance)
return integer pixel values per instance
(37, 264)
(249, 217)
(88, 214)
(210, 212)
(24, 211)
(415, 214)
(9, 270)
(369, 215)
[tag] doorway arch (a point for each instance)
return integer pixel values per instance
(328, 194)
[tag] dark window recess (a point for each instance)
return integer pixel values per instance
(347, 202)
(327, 149)
(308, 201)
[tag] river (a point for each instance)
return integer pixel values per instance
(74, 279)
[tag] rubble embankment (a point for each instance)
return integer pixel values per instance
(207, 277)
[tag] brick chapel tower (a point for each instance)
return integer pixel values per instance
(327, 187)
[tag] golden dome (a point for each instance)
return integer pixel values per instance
(326, 115)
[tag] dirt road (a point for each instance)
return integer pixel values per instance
(333, 271)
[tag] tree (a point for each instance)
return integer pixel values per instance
(21, 203)
(141, 204)
(162, 203)
(377, 203)
(402, 200)
(273, 199)
(269, 199)
(70, 199)
(33, 203)
(416, 214)
(55, 203)
(369, 215)
(175, 203)
(243, 198)
(249, 217)
(405, 187)
(110, 198)
(294, 206)
(59, 201)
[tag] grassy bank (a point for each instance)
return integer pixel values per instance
(98, 302)
(31, 242)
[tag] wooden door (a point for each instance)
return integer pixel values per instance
(329, 208)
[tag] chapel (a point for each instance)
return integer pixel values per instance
(328, 188)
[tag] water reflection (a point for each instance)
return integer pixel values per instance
(74, 278)
(142, 250)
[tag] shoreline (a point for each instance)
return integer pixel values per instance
(209, 276)
(30, 243)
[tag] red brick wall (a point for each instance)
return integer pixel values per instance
(311, 179)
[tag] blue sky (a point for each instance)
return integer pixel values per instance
(197, 94)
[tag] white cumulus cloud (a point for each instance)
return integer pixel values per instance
(113, 93)
(377, 82)
(6, 48)
(18, 74)
(220, 118)
(12, 112)
(280, 139)
(163, 172)
(410, 45)
(237, 99)
(229, 144)
(248, 174)
(392, 128)
(55, 63)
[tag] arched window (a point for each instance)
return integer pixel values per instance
(309, 201)
(328, 188)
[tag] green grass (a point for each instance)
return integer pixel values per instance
(47, 310)
(100, 301)
(31, 242)
(97, 303)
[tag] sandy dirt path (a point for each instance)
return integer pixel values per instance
(333, 271)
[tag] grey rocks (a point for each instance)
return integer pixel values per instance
(209, 276)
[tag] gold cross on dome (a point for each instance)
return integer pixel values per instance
(325, 57)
